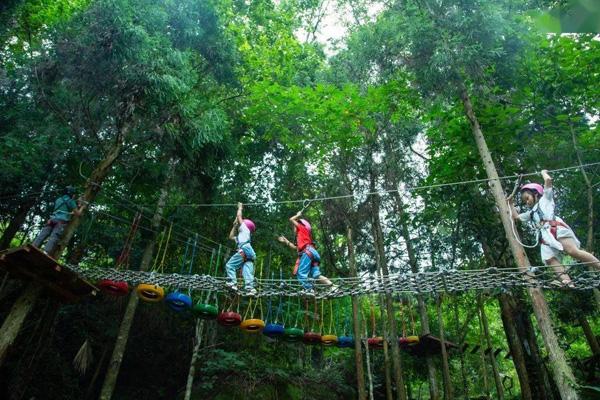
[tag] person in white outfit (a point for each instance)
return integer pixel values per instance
(556, 237)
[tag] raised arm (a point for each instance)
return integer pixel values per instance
(239, 218)
(289, 244)
(514, 213)
(294, 219)
(547, 179)
(233, 231)
(79, 207)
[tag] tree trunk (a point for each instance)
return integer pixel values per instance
(589, 335)
(484, 371)
(386, 354)
(536, 362)
(14, 321)
(114, 365)
(16, 222)
(93, 186)
(563, 375)
(536, 367)
(90, 390)
(360, 375)
(461, 354)
(514, 344)
(389, 304)
(590, 192)
(431, 369)
(530, 373)
(195, 353)
(445, 365)
(368, 360)
(490, 347)
(33, 352)
(412, 259)
(589, 243)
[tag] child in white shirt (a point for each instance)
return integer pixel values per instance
(556, 236)
(244, 256)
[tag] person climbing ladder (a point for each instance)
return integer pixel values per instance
(556, 236)
(308, 262)
(64, 207)
(244, 256)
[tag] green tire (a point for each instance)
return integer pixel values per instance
(205, 311)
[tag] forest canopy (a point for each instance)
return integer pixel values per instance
(397, 128)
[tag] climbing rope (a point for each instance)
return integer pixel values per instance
(512, 220)
(123, 259)
(306, 202)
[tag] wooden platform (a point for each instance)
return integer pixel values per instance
(428, 345)
(31, 264)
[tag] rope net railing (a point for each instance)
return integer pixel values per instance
(575, 277)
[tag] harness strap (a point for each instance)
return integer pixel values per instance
(311, 256)
(242, 253)
(61, 202)
(54, 222)
(554, 227)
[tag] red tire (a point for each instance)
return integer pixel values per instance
(114, 288)
(375, 342)
(229, 318)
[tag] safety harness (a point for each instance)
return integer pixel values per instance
(311, 256)
(61, 202)
(553, 228)
(242, 253)
(554, 224)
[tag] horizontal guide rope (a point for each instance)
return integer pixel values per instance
(353, 195)
(420, 282)
(384, 192)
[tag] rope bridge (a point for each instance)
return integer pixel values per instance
(415, 283)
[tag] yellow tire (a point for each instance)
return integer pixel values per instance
(150, 293)
(412, 339)
(329, 340)
(252, 325)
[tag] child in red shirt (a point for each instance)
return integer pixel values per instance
(307, 264)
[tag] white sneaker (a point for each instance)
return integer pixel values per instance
(307, 292)
(333, 289)
(251, 292)
(231, 286)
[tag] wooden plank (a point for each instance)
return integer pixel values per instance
(428, 345)
(40, 264)
(30, 263)
(57, 290)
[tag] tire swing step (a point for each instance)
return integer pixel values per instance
(205, 311)
(178, 301)
(273, 330)
(150, 293)
(229, 319)
(375, 342)
(329, 340)
(345, 341)
(312, 338)
(408, 341)
(253, 325)
(293, 334)
(113, 288)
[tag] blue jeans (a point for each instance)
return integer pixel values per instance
(237, 261)
(54, 229)
(307, 267)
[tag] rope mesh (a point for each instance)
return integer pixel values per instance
(421, 282)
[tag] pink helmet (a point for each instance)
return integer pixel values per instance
(250, 225)
(306, 224)
(535, 187)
